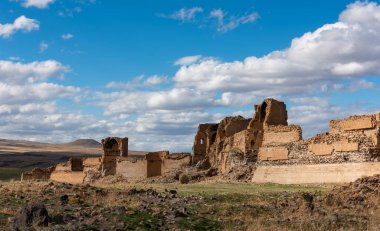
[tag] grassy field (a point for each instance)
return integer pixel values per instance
(212, 205)
(213, 188)
(7, 174)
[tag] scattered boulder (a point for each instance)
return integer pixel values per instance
(31, 215)
(184, 178)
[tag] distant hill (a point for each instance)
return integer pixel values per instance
(85, 143)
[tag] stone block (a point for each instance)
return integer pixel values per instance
(345, 146)
(321, 149)
(273, 153)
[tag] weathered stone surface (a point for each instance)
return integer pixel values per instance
(131, 167)
(237, 134)
(273, 153)
(115, 146)
(315, 173)
(345, 146)
(280, 134)
(353, 123)
(321, 149)
(68, 177)
(37, 174)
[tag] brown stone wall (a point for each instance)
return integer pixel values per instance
(174, 162)
(275, 135)
(132, 167)
(315, 173)
(236, 126)
(350, 146)
(92, 163)
(68, 177)
(203, 141)
(115, 146)
(353, 123)
(109, 165)
(273, 153)
(37, 174)
(273, 112)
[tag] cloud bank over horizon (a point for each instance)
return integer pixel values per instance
(161, 111)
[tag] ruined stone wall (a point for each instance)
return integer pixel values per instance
(74, 164)
(315, 173)
(235, 126)
(92, 163)
(37, 174)
(343, 144)
(203, 141)
(115, 146)
(109, 165)
(130, 167)
(353, 123)
(68, 177)
(175, 161)
(273, 112)
(281, 134)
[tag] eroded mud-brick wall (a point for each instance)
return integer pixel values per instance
(237, 136)
(37, 174)
(354, 139)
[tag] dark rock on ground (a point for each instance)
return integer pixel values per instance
(31, 215)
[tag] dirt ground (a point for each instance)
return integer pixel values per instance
(208, 205)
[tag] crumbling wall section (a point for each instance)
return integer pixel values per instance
(281, 134)
(203, 141)
(353, 123)
(130, 167)
(175, 161)
(115, 146)
(37, 174)
(345, 146)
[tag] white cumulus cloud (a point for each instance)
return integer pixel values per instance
(21, 23)
(41, 4)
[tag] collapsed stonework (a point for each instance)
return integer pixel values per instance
(114, 161)
(236, 140)
(277, 152)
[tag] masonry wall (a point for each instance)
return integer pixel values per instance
(131, 167)
(68, 177)
(316, 173)
(174, 162)
(37, 174)
(275, 135)
(92, 163)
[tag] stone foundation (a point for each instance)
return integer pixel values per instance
(315, 174)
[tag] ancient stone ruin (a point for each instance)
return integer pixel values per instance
(265, 148)
(277, 152)
(114, 161)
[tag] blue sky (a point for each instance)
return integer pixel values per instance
(153, 70)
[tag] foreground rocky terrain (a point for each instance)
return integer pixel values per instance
(208, 205)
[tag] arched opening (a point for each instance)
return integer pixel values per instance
(201, 141)
(112, 148)
(263, 111)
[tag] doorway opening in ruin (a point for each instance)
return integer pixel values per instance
(263, 111)
(112, 148)
(201, 141)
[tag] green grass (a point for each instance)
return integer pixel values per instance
(217, 188)
(7, 174)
